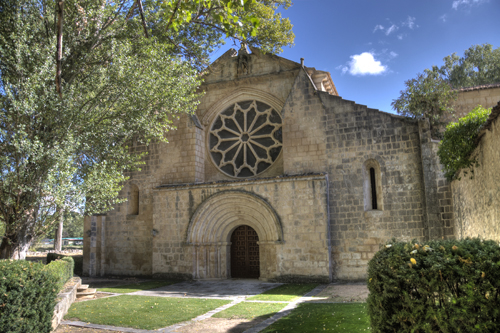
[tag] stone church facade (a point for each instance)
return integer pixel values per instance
(274, 177)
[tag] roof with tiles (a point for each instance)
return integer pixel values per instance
(481, 87)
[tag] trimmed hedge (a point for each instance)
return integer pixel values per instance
(78, 261)
(435, 286)
(62, 269)
(28, 292)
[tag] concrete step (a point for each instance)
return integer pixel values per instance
(87, 293)
(83, 287)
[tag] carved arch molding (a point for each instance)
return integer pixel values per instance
(209, 232)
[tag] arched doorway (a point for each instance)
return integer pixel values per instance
(245, 262)
(213, 224)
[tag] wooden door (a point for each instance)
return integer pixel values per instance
(245, 261)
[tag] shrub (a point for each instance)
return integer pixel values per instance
(62, 269)
(78, 261)
(436, 286)
(459, 141)
(27, 296)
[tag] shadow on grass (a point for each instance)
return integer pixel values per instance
(138, 286)
(314, 317)
(285, 292)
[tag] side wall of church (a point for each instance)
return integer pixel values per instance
(299, 202)
(359, 137)
(476, 201)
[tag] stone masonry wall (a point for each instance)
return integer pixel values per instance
(476, 201)
(438, 196)
(267, 78)
(129, 236)
(304, 140)
(299, 202)
(468, 98)
(358, 137)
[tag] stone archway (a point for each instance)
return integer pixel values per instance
(210, 229)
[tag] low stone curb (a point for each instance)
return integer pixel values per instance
(105, 327)
(65, 300)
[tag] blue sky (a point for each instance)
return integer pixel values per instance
(371, 47)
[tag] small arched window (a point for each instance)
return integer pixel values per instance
(372, 185)
(133, 200)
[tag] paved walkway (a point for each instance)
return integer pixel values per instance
(222, 289)
(236, 290)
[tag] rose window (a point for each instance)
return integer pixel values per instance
(246, 138)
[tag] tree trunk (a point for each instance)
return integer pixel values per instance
(15, 247)
(59, 232)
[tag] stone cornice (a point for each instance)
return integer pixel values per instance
(234, 183)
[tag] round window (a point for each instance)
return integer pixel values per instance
(246, 138)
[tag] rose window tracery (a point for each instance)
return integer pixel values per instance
(246, 138)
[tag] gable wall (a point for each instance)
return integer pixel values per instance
(356, 134)
(266, 80)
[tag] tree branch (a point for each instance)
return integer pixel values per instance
(141, 11)
(172, 16)
(60, 17)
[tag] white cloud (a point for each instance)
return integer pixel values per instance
(393, 54)
(378, 27)
(458, 3)
(443, 17)
(363, 64)
(400, 36)
(410, 23)
(391, 29)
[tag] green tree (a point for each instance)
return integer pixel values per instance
(73, 226)
(80, 78)
(432, 93)
(479, 65)
(427, 96)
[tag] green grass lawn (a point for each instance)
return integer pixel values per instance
(130, 288)
(333, 317)
(286, 292)
(141, 312)
(247, 310)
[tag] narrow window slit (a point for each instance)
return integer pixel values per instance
(374, 188)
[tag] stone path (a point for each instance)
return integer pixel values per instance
(236, 290)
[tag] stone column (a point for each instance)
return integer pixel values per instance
(94, 245)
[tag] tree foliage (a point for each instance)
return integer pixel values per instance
(459, 142)
(432, 93)
(71, 99)
(427, 96)
(479, 65)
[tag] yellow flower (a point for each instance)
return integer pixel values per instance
(454, 248)
(413, 261)
(483, 275)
